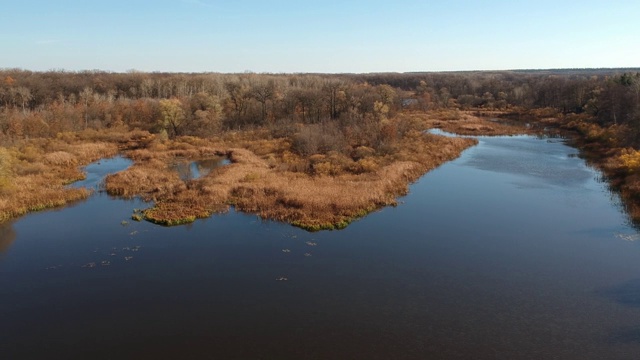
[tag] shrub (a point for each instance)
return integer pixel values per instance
(5, 168)
(630, 160)
(318, 139)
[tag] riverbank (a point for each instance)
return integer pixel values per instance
(619, 164)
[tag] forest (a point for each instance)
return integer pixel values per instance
(43, 104)
(306, 127)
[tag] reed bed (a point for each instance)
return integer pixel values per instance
(266, 176)
(260, 184)
(469, 123)
(36, 171)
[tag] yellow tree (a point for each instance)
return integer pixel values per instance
(172, 115)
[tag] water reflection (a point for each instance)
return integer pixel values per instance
(627, 293)
(523, 158)
(7, 237)
(98, 170)
(626, 335)
(191, 170)
(539, 166)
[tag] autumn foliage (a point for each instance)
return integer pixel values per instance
(316, 150)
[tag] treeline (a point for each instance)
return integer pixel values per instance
(609, 95)
(42, 104)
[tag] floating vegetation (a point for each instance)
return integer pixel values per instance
(127, 258)
(112, 254)
(54, 267)
(124, 223)
(286, 250)
(105, 263)
(628, 237)
(138, 215)
(89, 265)
(133, 232)
(311, 243)
(282, 278)
(136, 248)
(307, 254)
(126, 248)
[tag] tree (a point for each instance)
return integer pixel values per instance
(172, 115)
(86, 96)
(263, 92)
(206, 114)
(334, 91)
(21, 95)
(238, 96)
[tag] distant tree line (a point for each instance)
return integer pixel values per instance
(42, 104)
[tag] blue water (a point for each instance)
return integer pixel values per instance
(97, 171)
(514, 250)
(190, 170)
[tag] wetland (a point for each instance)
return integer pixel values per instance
(515, 249)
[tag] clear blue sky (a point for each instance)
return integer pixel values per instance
(318, 36)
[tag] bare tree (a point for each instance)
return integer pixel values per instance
(23, 96)
(263, 92)
(86, 96)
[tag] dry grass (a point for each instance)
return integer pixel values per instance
(39, 169)
(469, 123)
(260, 179)
(266, 177)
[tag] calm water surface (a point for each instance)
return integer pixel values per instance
(513, 251)
(190, 170)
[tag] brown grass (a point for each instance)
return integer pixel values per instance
(263, 179)
(469, 123)
(39, 169)
(266, 176)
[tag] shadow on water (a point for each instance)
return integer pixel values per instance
(7, 237)
(627, 293)
(191, 170)
(626, 335)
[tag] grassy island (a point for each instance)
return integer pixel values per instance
(266, 176)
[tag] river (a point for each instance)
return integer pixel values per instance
(516, 250)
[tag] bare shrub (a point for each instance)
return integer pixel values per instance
(319, 139)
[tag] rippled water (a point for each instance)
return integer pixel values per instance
(514, 250)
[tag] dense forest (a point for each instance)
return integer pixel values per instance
(42, 104)
(316, 124)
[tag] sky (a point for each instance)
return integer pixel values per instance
(320, 36)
